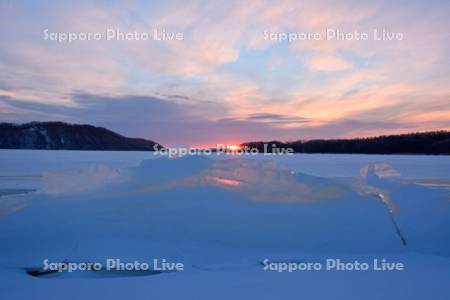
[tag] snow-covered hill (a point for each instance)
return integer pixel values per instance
(59, 135)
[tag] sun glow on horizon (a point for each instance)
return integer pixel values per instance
(230, 147)
(234, 147)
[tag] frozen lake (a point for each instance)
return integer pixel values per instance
(221, 217)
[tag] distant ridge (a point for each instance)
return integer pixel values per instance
(65, 136)
(434, 142)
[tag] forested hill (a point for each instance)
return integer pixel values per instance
(436, 142)
(64, 136)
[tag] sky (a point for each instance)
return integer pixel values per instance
(229, 77)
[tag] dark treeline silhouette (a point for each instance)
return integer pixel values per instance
(65, 136)
(436, 142)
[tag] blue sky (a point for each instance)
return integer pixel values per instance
(224, 82)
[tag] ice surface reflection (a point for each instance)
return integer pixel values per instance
(257, 180)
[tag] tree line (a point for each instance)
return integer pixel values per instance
(435, 142)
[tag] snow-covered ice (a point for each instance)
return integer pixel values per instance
(222, 216)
